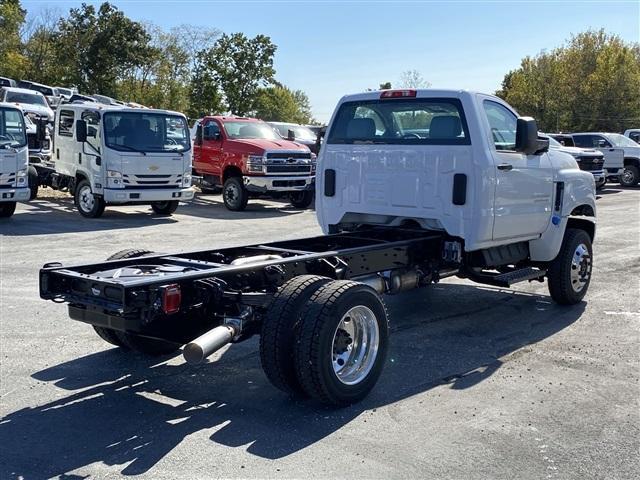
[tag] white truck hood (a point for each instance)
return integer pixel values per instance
(39, 110)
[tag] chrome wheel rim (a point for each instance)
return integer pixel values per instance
(627, 176)
(86, 199)
(580, 268)
(355, 345)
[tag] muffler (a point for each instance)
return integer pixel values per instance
(196, 351)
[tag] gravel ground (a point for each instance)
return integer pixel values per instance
(480, 382)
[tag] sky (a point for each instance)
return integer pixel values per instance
(332, 48)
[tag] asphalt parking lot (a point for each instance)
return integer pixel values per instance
(480, 382)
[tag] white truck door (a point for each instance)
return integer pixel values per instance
(64, 154)
(91, 160)
(524, 183)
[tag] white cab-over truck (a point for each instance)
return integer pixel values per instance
(414, 186)
(113, 155)
(14, 159)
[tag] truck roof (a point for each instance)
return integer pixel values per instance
(420, 93)
(115, 108)
(224, 118)
(21, 90)
(10, 105)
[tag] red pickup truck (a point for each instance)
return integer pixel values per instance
(248, 158)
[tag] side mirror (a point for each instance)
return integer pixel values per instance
(291, 135)
(198, 139)
(217, 136)
(527, 140)
(92, 132)
(81, 130)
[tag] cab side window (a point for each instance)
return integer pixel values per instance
(211, 131)
(65, 125)
(502, 123)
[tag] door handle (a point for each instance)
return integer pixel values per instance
(505, 166)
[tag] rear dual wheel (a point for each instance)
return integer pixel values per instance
(7, 209)
(333, 340)
(165, 208)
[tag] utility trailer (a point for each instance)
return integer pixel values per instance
(413, 187)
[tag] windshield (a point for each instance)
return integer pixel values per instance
(64, 91)
(621, 141)
(417, 121)
(29, 98)
(12, 132)
(553, 142)
(300, 132)
(146, 132)
(248, 130)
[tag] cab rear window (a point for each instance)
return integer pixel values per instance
(415, 121)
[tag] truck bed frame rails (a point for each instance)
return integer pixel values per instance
(249, 275)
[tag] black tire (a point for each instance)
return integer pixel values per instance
(600, 186)
(234, 194)
(301, 199)
(7, 209)
(131, 341)
(148, 346)
(109, 335)
(279, 329)
(165, 208)
(86, 208)
(34, 182)
(314, 347)
(560, 281)
(630, 177)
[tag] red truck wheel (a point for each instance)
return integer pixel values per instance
(234, 194)
(301, 199)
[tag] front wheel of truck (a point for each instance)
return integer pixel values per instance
(234, 194)
(88, 204)
(569, 274)
(630, 176)
(301, 199)
(7, 209)
(165, 208)
(33, 182)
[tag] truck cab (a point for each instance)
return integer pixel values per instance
(246, 157)
(452, 161)
(14, 159)
(621, 155)
(113, 155)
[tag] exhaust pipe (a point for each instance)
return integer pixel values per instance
(196, 351)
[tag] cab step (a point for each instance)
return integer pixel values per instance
(509, 278)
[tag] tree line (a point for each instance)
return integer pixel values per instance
(591, 83)
(190, 69)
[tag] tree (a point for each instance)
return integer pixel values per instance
(385, 86)
(12, 60)
(96, 48)
(205, 97)
(280, 104)
(592, 82)
(413, 79)
(240, 65)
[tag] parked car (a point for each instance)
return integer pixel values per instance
(621, 154)
(246, 157)
(106, 100)
(49, 92)
(40, 145)
(29, 101)
(633, 134)
(297, 133)
(7, 82)
(64, 93)
(588, 159)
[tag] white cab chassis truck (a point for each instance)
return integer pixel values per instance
(414, 186)
(14, 159)
(112, 155)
